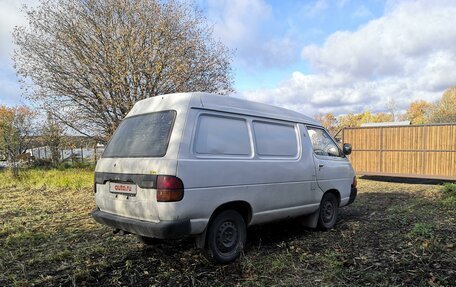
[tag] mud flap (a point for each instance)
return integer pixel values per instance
(200, 240)
(311, 220)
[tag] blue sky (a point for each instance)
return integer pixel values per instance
(335, 56)
(290, 25)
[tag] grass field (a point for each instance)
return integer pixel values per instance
(394, 234)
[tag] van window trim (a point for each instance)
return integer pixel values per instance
(171, 128)
(279, 119)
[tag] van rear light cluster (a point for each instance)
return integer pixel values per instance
(355, 182)
(169, 188)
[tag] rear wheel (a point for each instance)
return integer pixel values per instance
(226, 236)
(328, 211)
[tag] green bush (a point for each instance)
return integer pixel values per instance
(449, 191)
(76, 164)
(66, 165)
(421, 229)
(42, 162)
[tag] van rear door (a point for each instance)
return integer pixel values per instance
(126, 174)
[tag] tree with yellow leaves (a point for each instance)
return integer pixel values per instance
(355, 120)
(329, 121)
(16, 128)
(417, 112)
(335, 124)
(444, 110)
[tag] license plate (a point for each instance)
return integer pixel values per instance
(115, 187)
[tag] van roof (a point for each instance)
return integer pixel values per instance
(215, 102)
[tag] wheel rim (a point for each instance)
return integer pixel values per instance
(227, 237)
(327, 211)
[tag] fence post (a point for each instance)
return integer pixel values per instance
(423, 168)
(82, 155)
(71, 155)
(95, 152)
(381, 150)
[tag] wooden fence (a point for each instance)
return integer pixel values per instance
(424, 151)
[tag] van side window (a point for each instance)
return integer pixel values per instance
(322, 143)
(275, 139)
(217, 135)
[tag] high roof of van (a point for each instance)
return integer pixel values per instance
(215, 102)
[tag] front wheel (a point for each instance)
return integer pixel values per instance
(226, 236)
(329, 208)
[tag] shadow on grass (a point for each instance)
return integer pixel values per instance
(382, 232)
(410, 180)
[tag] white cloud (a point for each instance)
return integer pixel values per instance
(237, 19)
(362, 12)
(438, 71)
(407, 54)
(278, 51)
(243, 26)
(315, 8)
(391, 44)
(10, 16)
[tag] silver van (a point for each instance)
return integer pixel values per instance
(208, 166)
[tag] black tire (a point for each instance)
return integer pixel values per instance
(226, 236)
(149, 240)
(329, 209)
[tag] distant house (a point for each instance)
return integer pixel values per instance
(386, 124)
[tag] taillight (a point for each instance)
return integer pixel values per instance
(169, 188)
(355, 182)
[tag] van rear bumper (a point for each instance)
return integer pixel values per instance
(163, 229)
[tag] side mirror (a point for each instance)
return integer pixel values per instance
(347, 149)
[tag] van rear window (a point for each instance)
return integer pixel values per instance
(142, 136)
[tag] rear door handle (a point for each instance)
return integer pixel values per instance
(320, 166)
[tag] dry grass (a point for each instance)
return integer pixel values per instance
(394, 234)
(74, 179)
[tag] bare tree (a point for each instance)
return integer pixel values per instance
(16, 128)
(391, 105)
(89, 61)
(329, 121)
